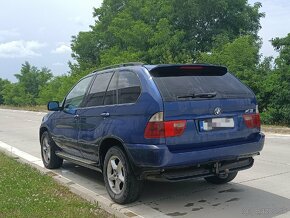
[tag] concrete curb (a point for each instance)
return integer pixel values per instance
(104, 203)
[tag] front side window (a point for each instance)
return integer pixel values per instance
(98, 90)
(76, 95)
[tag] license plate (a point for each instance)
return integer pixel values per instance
(216, 124)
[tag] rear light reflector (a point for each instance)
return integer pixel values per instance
(252, 120)
(157, 128)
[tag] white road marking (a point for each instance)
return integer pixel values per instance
(20, 153)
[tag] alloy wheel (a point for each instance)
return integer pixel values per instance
(46, 150)
(116, 174)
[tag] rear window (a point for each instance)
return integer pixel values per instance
(174, 85)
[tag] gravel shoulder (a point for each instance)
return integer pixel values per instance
(275, 129)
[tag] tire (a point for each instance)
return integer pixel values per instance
(48, 149)
(120, 181)
(221, 179)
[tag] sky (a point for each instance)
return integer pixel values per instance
(39, 31)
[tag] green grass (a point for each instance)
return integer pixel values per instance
(25, 192)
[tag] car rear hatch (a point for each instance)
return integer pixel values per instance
(218, 110)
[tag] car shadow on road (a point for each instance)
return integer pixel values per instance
(191, 198)
(198, 198)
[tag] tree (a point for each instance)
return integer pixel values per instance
(277, 85)
(57, 88)
(241, 57)
(282, 45)
(14, 94)
(164, 31)
(3, 83)
(31, 79)
(26, 90)
(53, 90)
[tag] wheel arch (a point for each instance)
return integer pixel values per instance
(41, 131)
(109, 142)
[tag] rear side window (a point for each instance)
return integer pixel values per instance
(98, 90)
(129, 87)
(124, 88)
(174, 85)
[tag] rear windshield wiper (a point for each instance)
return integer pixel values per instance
(199, 95)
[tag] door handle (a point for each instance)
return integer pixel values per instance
(76, 117)
(105, 114)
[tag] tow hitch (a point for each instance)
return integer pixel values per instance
(218, 169)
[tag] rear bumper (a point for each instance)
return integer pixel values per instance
(153, 158)
(203, 170)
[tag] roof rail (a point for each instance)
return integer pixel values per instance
(122, 65)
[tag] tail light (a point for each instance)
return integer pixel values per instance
(158, 128)
(252, 120)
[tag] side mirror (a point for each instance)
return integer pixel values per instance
(53, 106)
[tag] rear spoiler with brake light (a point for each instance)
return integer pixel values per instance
(188, 70)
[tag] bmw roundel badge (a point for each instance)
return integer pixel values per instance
(217, 111)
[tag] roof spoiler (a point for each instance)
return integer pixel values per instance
(188, 70)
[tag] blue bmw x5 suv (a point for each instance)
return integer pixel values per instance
(160, 122)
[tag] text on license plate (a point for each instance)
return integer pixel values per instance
(216, 124)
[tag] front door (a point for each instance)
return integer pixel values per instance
(65, 125)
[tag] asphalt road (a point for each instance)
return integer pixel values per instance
(263, 191)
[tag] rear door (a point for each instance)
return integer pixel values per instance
(127, 120)
(211, 100)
